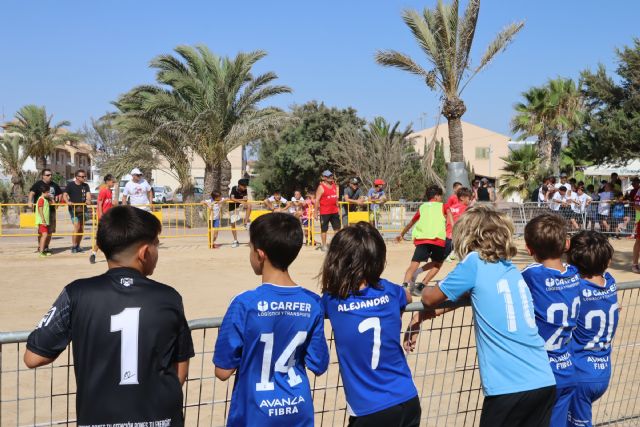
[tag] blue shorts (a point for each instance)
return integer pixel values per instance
(580, 409)
(560, 410)
(214, 223)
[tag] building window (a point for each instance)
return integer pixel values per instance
(482, 153)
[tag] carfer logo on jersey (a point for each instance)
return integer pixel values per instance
(596, 294)
(284, 406)
(561, 283)
(284, 308)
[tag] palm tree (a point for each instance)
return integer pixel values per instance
(446, 40)
(521, 177)
(550, 113)
(213, 103)
(40, 137)
(12, 157)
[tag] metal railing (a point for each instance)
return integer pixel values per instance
(444, 367)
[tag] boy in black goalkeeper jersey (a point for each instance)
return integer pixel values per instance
(131, 341)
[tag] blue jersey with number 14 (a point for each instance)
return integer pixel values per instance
(270, 334)
(366, 327)
(556, 302)
(597, 325)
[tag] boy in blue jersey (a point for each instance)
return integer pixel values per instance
(555, 289)
(591, 253)
(517, 381)
(272, 334)
(365, 313)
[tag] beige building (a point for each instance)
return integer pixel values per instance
(483, 148)
(163, 176)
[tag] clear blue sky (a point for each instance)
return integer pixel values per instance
(75, 57)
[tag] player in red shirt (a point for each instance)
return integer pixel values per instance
(453, 198)
(454, 211)
(105, 202)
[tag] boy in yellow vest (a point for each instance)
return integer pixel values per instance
(429, 236)
(43, 218)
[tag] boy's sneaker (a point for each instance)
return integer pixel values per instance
(79, 249)
(635, 269)
(74, 250)
(416, 289)
(42, 255)
(48, 251)
(92, 259)
(235, 244)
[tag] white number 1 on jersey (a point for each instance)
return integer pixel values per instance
(127, 323)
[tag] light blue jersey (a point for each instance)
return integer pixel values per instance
(556, 302)
(373, 366)
(270, 334)
(510, 352)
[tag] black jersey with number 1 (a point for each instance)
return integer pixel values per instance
(128, 332)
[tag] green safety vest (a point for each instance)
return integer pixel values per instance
(432, 223)
(45, 212)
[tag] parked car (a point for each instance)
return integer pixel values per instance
(162, 194)
(198, 195)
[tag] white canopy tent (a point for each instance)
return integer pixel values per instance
(631, 168)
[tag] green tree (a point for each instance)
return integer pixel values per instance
(294, 157)
(12, 157)
(521, 172)
(40, 137)
(550, 113)
(446, 39)
(214, 103)
(611, 132)
(439, 162)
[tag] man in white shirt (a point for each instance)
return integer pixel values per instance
(564, 182)
(604, 205)
(277, 203)
(579, 202)
(138, 191)
(561, 202)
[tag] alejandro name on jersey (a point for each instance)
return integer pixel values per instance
(357, 305)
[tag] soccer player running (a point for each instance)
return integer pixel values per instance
(555, 288)
(131, 341)
(105, 202)
(517, 381)
(271, 335)
(591, 254)
(78, 195)
(366, 316)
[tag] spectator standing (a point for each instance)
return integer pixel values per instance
(239, 197)
(562, 203)
(214, 205)
(616, 183)
(579, 203)
(354, 199)
(541, 195)
(474, 187)
(604, 207)
(138, 191)
(105, 202)
(376, 197)
(78, 196)
(42, 218)
(56, 195)
(483, 191)
(564, 181)
(326, 204)
(592, 211)
(296, 204)
(619, 217)
(276, 203)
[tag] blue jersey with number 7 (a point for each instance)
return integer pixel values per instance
(366, 327)
(270, 335)
(597, 325)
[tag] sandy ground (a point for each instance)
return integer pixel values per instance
(206, 278)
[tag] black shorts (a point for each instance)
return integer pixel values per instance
(448, 247)
(334, 219)
(423, 252)
(406, 414)
(531, 408)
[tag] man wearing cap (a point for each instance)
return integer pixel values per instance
(354, 199)
(377, 197)
(138, 191)
(327, 206)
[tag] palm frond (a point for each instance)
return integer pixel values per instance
(392, 58)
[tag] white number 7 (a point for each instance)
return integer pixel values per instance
(372, 323)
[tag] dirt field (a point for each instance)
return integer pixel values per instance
(207, 279)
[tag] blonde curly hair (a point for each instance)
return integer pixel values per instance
(486, 231)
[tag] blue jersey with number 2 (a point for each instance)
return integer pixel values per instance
(597, 325)
(510, 352)
(270, 334)
(556, 302)
(373, 366)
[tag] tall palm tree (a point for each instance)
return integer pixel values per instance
(550, 113)
(12, 157)
(446, 40)
(213, 103)
(521, 172)
(40, 137)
